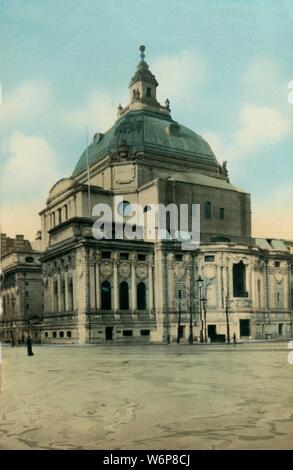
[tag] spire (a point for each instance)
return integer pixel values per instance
(142, 54)
(143, 90)
(143, 73)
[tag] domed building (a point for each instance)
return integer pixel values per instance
(150, 290)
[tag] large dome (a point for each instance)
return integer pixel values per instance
(151, 133)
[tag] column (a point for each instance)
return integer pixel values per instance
(66, 291)
(286, 285)
(133, 288)
(115, 286)
(59, 303)
(253, 285)
(92, 285)
(151, 288)
(49, 294)
(171, 282)
(74, 294)
(248, 278)
(98, 288)
(52, 295)
(219, 282)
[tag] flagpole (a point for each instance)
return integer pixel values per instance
(88, 173)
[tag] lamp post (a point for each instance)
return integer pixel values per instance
(204, 302)
(200, 284)
(190, 326)
(227, 318)
(179, 317)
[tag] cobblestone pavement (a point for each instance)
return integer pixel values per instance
(152, 397)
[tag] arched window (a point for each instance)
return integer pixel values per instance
(239, 289)
(63, 293)
(141, 296)
(70, 293)
(124, 295)
(55, 299)
(208, 210)
(106, 295)
(124, 208)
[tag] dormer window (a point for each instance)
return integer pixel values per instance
(148, 92)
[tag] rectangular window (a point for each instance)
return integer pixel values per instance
(148, 92)
(68, 334)
(145, 332)
(244, 327)
(280, 328)
(124, 255)
(209, 258)
(277, 264)
(222, 213)
(141, 257)
(178, 257)
(66, 211)
(127, 333)
(106, 254)
(54, 334)
(59, 216)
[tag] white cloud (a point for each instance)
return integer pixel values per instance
(258, 127)
(98, 113)
(179, 76)
(20, 218)
(30, 169)
(25, 101)
(26, 178)
(274, 216)
(263, 82)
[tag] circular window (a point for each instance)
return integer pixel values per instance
(29, 259)
(124, 208)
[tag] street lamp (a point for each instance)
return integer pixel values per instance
(227, 318)
(204, 302)
(190, 326)
(200, 284)
(179, 317)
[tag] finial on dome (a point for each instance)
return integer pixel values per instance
(142, 54)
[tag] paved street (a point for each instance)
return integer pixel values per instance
(159, 397)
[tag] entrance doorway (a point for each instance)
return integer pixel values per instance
(212, 332)
(244, 327)
(109, 333)
(181, 331)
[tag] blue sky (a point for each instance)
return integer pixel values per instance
(224, 65)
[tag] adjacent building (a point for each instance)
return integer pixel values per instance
(21, 290)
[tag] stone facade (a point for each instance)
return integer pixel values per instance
(21, 290)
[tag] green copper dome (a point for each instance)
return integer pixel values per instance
(148, 132)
